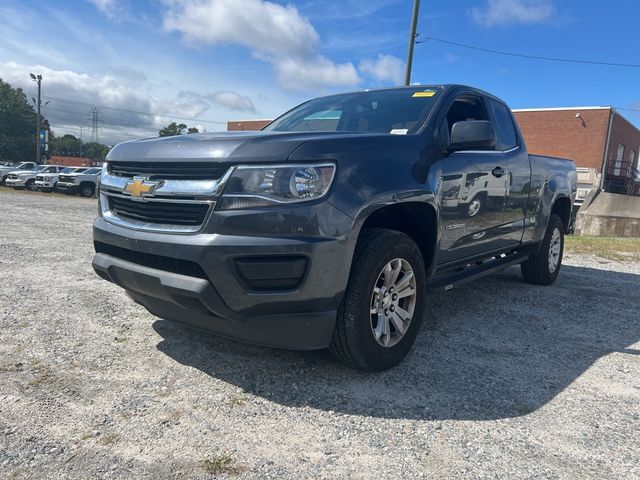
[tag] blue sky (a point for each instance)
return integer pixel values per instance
(147, 62)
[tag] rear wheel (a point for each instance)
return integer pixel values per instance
(384, 303)
(543, 268)
(3, 180)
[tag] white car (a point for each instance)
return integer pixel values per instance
(47, 181)
(85, 183)
(5, 170)
(27, 178)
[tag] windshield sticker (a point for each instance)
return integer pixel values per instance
(426, 93)
(399, 131)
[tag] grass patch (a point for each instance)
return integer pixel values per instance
(222, 465)
(610, 248)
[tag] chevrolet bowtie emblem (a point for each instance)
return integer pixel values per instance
(140, 187)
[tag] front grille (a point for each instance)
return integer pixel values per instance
(168, 171)
(162, 213)
(159, 262)
(12, 177)
(65, 179)
(39, 179)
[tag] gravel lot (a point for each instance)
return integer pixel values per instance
(511, 380)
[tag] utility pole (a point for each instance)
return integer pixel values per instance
(412, 41)
(38, 80)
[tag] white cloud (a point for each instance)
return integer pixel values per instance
(125, 113)
(109, 7)
(385, 68)
(274, 33)
(260, 25)
(232, 101)
(295, 73)
(509, 12)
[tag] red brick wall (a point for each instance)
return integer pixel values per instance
(70, 161)
(558, 133)
(246, 125)
(622, 132)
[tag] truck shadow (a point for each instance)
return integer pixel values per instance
(496, 348)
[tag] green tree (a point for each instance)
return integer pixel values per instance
(172, 129)
(17, 125)
(176, 129)
(95, 151)
(67, 145)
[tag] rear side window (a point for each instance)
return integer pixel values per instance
(503, 123)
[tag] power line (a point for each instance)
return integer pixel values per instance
(534, 57)
(175, 117)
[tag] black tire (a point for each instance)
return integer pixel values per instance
(86, 190)
(31, 185)
(3, 180)
(353, 342)
(537, 268)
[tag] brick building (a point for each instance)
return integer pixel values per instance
(70, 161)
(601, 141)
(598, 139)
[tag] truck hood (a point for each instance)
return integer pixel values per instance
(223, 147)
(20, 172)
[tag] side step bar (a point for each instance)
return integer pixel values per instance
(466, 273)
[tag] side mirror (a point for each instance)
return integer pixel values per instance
(472, 135)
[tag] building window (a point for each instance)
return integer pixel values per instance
(618, 165)
(632, 160)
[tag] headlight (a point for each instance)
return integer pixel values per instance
(262, 186)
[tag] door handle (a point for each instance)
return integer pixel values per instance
(498, 172)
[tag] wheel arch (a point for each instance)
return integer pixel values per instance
(562, 207)
(418, 220)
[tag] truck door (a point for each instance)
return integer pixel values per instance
(473, 187)
(518, 170)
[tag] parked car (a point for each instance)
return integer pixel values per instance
(27, 178)
(48, 181)
(6, 169)
(85, 183)
(326, 228)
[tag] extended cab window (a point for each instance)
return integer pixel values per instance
(398, 111)
(503, 123)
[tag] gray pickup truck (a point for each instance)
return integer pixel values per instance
(327, 228)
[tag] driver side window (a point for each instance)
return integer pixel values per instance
(465, 107)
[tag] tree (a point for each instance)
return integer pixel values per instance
(176, 129)
(172, 129)
(17, 125)
(66, 145)
(95, 151)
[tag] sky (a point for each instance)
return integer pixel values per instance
(146, 63)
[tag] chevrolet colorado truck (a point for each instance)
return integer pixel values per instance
(327, 228)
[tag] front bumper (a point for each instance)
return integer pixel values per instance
(41, 184)
(15, 182)
(66, 187)
(220, 299)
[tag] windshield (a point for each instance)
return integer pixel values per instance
(397, 111)
(25, 166)
(68, 170)
(92, 171)
(40, 168)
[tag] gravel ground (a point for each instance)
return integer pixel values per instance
(512, 380)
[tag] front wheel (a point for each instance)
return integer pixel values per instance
(87, 190)
(31, 186)
(543, 268)
(384, 303)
